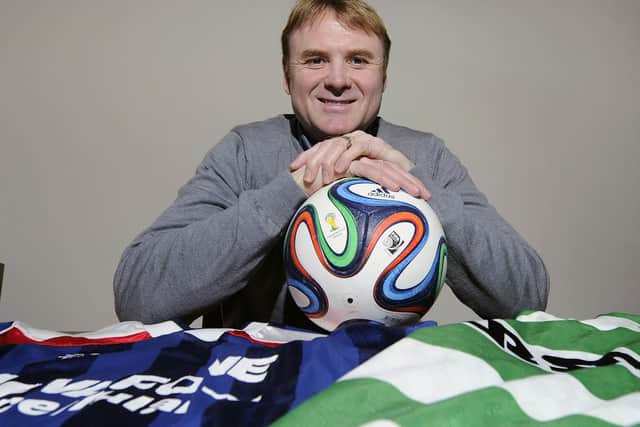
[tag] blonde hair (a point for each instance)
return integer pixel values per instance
(354, 14)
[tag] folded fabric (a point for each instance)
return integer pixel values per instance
(162, 374)
(537, 369)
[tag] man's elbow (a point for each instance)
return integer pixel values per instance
(129, 300)
(541, 284)
(543, 292)
(535, 294)
(126, 310)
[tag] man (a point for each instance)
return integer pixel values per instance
(217, 249)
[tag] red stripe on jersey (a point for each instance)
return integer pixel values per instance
(16, 336)
(246, 336)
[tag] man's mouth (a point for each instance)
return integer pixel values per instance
(336, 101)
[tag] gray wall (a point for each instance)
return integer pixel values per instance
(540, 99)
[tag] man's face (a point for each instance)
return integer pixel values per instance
(335, 77)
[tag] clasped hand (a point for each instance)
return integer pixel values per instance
(356, 154)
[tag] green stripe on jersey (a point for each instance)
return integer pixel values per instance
(366, 401)
(537, 369)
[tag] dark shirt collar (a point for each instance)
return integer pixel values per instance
(305, 143)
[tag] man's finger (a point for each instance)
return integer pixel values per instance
(375, 171)
(357, 148)
(422, 190)
(390, 176)
(312, 166)
(333, 150)
(299, 161)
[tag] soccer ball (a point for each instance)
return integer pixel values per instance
(355, 250)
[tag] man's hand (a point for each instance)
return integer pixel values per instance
(356, 154)
(308, 187)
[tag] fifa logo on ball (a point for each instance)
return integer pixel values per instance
(388, 261)
(330, 219)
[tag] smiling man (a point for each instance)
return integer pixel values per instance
(334, 66)
(216, 251)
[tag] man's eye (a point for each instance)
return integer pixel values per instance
(358, 61)
(315, 62)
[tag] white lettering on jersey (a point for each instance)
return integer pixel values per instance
(6, 404)
(31, 407)
(245, 369)
(189, 385)
(218, 368)
(219, 396)
(36, 407)
(66, 387)
(89, 391)
(164, 405)
(137, 403)
(14, 387)
(141, 382)
(103, 395)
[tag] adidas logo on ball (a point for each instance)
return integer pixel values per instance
(381, 192)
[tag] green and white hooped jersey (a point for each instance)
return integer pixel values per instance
(537, 369)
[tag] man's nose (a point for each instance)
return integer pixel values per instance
(338, 79)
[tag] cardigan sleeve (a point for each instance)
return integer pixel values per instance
(206, 245)
(491, 267)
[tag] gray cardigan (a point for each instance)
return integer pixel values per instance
(217, 250)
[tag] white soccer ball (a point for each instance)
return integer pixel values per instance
(355, 250)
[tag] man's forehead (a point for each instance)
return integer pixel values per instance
(327, 16)
(326, 31)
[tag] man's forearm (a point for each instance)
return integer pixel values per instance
(491, 268)
(196, 254)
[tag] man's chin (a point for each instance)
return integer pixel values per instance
(337, 130)
(330, 128)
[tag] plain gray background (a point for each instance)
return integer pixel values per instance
(106, 108)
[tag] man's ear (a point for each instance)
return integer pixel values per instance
(285, 78)
(384, 81)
